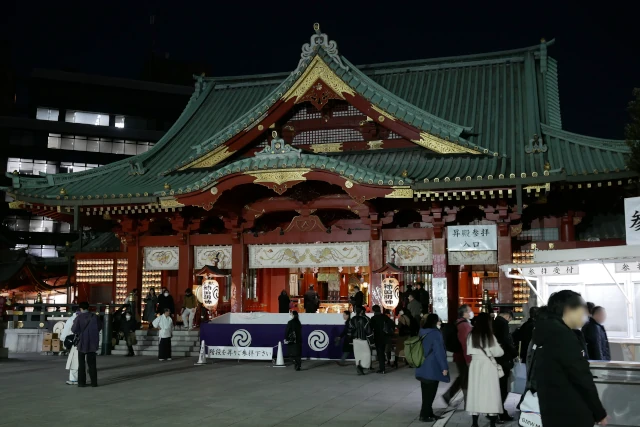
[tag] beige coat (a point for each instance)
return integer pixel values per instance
(483, 395)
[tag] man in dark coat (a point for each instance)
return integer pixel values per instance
(423, 296)
(165, 300)
(522, 335)
(595, 335)
(311, 300)
(383, 329)
(358, 298)
(566, 391)
(283, 302)
(87, 325)
(502, 334)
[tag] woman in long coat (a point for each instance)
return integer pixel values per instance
(435, 368)
(150, 301)
(483, 394)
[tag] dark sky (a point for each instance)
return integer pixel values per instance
(598, 48)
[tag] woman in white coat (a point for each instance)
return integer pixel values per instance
(483, 395)
(72, 359)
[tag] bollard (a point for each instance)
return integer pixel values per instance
(106, 333)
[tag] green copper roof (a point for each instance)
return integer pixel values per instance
(494, 102)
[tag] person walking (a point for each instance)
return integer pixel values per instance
(461, 358)
(311, 300)
(165, 324)
(434, 369)
(189, 309)
(347, 344)
(506, 361)
(483, 392)
(566, 391)
(87, 326)
(595, 335)
(360, 332)
(165, 301)
(72, 358)
(293, 339)
(150, 302)
(383, 328)
(128, 326)
(283, 302)
(522, 335)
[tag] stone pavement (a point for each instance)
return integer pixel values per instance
(142, 391)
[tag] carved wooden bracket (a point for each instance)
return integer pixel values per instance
(184, 226)
(306, 223)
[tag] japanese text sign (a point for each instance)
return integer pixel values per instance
(628, 267)
(440, 298)
(472, 238)
(552, 270)
(632, 220)
(250, 353)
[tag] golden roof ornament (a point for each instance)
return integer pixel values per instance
(167, 186)
(15, 172)
(63, 191)
(547, 165)
(405, 173)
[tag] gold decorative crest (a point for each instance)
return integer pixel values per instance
(210, 159)
(170, 202)
(381, 111)
(16, 204)
(400, 193)
(375, 145)
(441, 146)
(327, 148)
(279, 176)
(317, 70)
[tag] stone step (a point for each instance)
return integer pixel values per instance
(156, 338)
(154, 353)
(146, 341)
(176, 333)
(155, 347)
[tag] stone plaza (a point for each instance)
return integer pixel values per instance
(142, 391)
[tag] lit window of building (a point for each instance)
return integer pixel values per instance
(97, 145)
(47, 114)
(120, 122)
(96, 119)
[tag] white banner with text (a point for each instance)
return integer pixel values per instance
(245, 353)
(472, 238)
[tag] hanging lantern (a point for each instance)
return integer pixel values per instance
(390, 293)
(210, 293)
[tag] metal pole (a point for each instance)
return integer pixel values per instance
(535, 291)
(106, 332)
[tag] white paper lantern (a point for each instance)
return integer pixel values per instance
(210, 293)
(390, 293)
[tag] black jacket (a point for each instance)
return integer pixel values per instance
(583, 343)
(377, 323)
(597, 341)
(283, 303)
(566, 391)
(360, 328)
(128, 326)
(165, 302)
(311, 301)
(347, 345)
(522, 337)
(295, 326)
(501, 332)
(358, 299)
(424, 298)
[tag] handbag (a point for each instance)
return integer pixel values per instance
(495, 363)
(76, 337)
(530, 406)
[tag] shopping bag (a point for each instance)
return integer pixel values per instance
(530, 411)
(519, 378)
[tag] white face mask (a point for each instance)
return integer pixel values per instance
(439, 325)
(471, 315)
(128, 317)
(166, 294)
(291, 316)
(585, 319)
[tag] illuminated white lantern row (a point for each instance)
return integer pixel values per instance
(210, 293)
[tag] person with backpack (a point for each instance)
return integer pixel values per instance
(360, 332)
(383, 330)
(455, 338)
(434, 369)
(293, 339)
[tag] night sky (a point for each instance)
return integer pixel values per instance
(598, 48)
